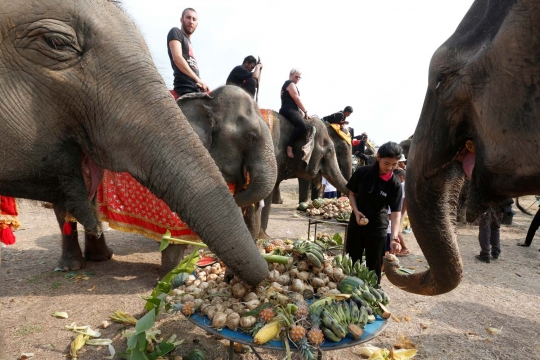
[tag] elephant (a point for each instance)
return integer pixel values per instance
(344, 158)
(405, 146)
(231, 128)
(322, 161)
(480, 120)
(80, 93)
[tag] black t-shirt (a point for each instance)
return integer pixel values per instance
(373, 197)
(183, 84)
(287, 101)
(238, 75)
(335, 118)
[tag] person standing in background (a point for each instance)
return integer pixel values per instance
(329, 190)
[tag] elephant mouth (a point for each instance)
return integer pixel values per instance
(92, 175)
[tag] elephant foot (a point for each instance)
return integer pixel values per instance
(263, 235)
(171, 257)
(96, 249)
(72, 258)
(277, 201)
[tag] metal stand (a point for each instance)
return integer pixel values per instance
(313, 221)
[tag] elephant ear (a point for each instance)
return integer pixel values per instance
(204, 124)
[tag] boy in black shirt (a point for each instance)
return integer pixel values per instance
(243, 76)
(340, 117)
(372, 190)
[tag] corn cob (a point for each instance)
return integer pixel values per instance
(77, 345)
(123, 318)
(267, 332)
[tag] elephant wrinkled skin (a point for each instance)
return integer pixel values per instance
(80, 93)
(480, 120)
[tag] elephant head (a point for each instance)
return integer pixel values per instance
(324, 158)
(230, 126)
(80, 93)
(481, 120)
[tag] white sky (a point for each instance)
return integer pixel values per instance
(372, 55)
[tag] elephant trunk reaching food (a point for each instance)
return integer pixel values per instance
(479, 120)
(176, 167)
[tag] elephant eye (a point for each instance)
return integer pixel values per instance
(58, 42)
(441, 78)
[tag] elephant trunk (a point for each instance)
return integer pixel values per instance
(171, 161)
(333, 174)
(261, 168)
(432, 206)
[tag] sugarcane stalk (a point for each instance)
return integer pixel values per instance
(285, 260)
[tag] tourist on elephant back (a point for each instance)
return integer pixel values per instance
(293, 109)
(360, 149)
(374, 189)
(340, 117)
(183, 61)
(246, 75)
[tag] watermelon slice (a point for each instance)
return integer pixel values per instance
(206, 261)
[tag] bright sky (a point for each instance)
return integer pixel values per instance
(372, 55)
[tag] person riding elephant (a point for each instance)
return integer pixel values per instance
(231, 128)
(90, 98)
(480, 121)
(314, 156)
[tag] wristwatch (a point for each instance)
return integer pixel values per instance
(394, 238)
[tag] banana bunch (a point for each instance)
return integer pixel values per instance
(374, 300)
(362, 272)
(345, 263)
(312, 251)
(341, 319)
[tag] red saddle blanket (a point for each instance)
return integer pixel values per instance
(9, 219)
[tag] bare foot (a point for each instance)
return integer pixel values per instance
(290, 152)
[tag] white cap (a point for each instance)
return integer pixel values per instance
(402, 158)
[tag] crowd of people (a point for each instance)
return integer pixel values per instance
(377, 191)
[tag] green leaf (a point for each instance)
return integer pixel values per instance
(164, 348)
(163, 245)
(187, 265)
(258, 310)
(141, 341)
(132, 342)
(338, 239)
(146, 322)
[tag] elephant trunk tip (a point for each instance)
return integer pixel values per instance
(421, 283)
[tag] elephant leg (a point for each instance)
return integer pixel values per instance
(252, 218)
(303, 189)
(72, 258)
(316, 191)
(95, 247)
(276, 198)
(171, 257)
(265, 214)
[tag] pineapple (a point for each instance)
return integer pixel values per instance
(303, 311)
(305, 349)
(267, 314)
(278, 242)
(269, 248)
(187, 309)
(315, 335)
(297, 333)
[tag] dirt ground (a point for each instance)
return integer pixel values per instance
(504, 295)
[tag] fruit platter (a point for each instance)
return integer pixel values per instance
(311, 301)
(337, 209)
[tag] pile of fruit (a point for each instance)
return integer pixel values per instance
(338, 209)
(307, 298)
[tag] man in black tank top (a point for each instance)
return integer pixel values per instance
(292, 108)
(183, 61)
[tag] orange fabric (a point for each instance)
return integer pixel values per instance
(128, 206)
(268, 116)
(9, 219)
(342, 134)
